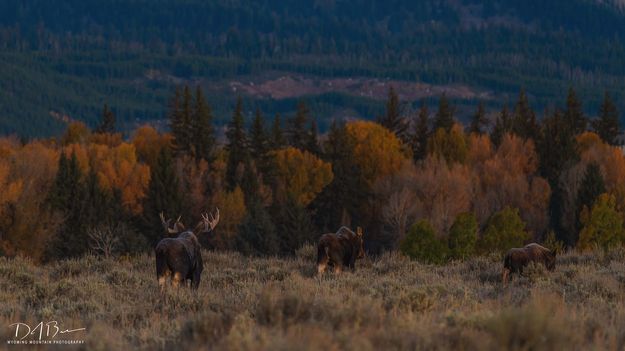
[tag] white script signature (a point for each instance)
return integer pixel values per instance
(48, 330)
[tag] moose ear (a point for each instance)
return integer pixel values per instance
(359, 231)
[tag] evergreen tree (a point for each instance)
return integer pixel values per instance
(68, 197)
(393, 119)
(574, 113)
(341, 200)
(294, 227)
(236, 146)
(257, 234)
(503, 126)
(180, 121)
(202, 133)
(107, 123)
(524, 122)
(163, 196)
(312, 143)
(607, 125)
(444, 117)
(557, 150)
(277, 135)
(297, 127)
(591, 187)
(421, 134)
(249, 183)
(259, 144)
(479, 122)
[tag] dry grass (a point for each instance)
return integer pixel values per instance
(271, 304)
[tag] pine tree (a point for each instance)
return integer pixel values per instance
(259, 144)
(393, 119)
(557, 150)
(342, 199)
(444, 117)
(524, 122)
(180, 121)
(163, 196)
(67, 197)
(312, 143)
(421, 134)
(203, 138)
(607, 125)
(574, 113)
(257, 234)
(236, 146)
(277, 136)
(249, 183)
(297, 127)
(591, 187)
(479, 122)
(107, 123)
(294, 227)
(503, 126)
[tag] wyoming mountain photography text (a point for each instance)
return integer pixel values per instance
(312, 175)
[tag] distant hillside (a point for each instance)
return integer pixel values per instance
(69, 57)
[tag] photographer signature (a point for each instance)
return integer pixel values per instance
(48, 330)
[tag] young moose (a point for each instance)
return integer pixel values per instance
(518, 258)
(180, 258)
(340, 250)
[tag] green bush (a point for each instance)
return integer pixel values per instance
(463, 236)
(422, 244)
(505, 230)
(603, 227)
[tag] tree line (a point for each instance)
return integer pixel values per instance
(417, 181)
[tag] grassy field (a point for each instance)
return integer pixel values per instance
(274, 304)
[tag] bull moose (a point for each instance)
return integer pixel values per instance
(340, 249)
(518, 258)
(180, 257)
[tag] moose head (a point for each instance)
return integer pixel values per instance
(207, 224)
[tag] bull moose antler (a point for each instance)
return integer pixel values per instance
(208, 222)
(175, 229)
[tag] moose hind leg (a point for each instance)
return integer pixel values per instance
(177, 280)
(162, 279)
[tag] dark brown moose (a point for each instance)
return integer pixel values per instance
(180, 258)
(340, 249)
(518, 258)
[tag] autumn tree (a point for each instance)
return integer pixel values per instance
(301, 175)
(76, 133)
(444, 117)
(607, 124)
(237, 146)
(393, 119)
(232, 210)
(449, 145)
(602, 226)
(148, 144)
(479, 122)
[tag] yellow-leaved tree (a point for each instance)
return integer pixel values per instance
(300, 175)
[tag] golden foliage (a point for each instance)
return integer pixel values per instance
(301, 174)
(377, 151)
(450, 146)
(149, 142)
(232, 209)
(76, 133)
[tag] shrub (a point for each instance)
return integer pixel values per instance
(422, 244)
(505, 229)
(463, 236)
(603, 227)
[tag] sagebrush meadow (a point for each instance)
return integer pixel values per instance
(389, 303)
